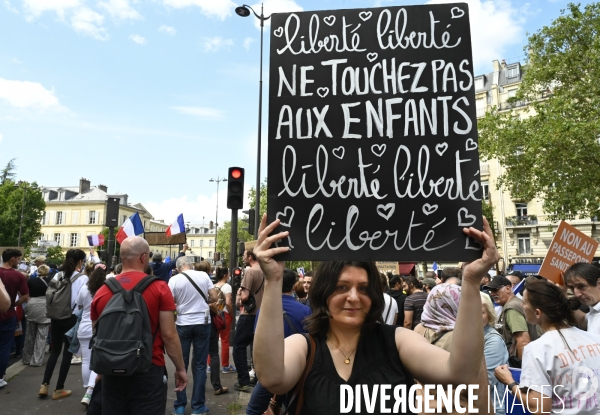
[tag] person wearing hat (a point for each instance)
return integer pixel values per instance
(39, 260)
(515, 330)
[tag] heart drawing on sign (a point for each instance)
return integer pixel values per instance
(429, 209)
(278, 32)
(365, 15)
(471, 145)
(386, 211)
(330, 20)
(378, 149)
(441, 148)
(372, 56)
(468, 220)
(339, 152)
(287, 211)
(323, 91)
(457, 12)
(473, 244)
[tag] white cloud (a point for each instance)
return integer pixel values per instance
(9, 7)
(1, 138)
(247, 42)
(37, 7)
(202, 112)
(275, 6)
(213, 44)
(88, 22)
(16, 61)
(140, 40)
(25, 94)
(120, 10)
(495, 25)
(167, 29)
(216, 8)
(194, 210)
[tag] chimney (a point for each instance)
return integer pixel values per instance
(103, 188)
(503, 63)
(84, 185)
(210, 225)
(496, 76)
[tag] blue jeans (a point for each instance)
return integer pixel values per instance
(197, 335)
(7, 334)
(259, 401)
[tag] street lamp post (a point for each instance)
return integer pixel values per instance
(218, 180)
(244, 11)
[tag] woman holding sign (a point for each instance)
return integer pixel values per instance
(347, 347)
(560, 369)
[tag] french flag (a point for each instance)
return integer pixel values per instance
(132, 226)
(176, 227)
(96, 240)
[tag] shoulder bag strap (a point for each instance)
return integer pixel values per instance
(290, 323)
(195, 286)
(144, 283)
(439, 337)
(388, 312)
(261, 284)
(114, 285)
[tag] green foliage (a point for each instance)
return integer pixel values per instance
(224, 239)
(55, 255)
(105, 232)
(8, 172)
(555, 154)
(13, 197)
(263, 198)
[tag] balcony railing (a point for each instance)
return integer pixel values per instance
(484, 168)
(521, 220)
(511, 105)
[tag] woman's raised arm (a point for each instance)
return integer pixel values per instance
(279, 363)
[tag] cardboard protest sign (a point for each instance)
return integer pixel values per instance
(569, 246)
(372, 134)
(160, 238)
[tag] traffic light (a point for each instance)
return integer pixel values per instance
(235, 188)
(236, 278)
(249, 220)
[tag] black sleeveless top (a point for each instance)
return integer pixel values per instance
(376, 363)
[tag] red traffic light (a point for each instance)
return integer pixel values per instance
(237, 272)
(236, 174)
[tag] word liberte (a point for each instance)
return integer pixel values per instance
(387, 39)
(421, 399)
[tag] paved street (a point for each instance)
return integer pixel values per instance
(20, 396)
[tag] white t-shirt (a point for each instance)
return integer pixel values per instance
(75, 286)
(392, 306)
(191, 307)
(84, 300)
(593, 319)
(225, 289)
(548, 361)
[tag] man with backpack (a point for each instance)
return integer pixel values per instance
(130, 386)
(193, 291)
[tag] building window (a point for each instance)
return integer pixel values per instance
(73, 239)
(485, 190)
(479, 83)
(210, 254)
(92, 219)
(57, 238)
(512, 93)
(524, 243)
(43, 217)
(210, 242)
(201, 242)
(59, 218)
(192, 243)
(521, 209)
(124, 218)
(512, 72)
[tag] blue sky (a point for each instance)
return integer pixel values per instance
(155, 97)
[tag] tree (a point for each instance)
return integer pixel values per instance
(55, 255)
(224, 239)
(554, 155)
(8, 172)
(263, 198)
(13, 197)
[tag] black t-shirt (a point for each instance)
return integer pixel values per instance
(37, 286)
(377, 362)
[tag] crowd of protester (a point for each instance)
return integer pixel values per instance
(342, 323)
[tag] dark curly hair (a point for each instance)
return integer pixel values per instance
(323, 285)
(97, 279)
(550, 300)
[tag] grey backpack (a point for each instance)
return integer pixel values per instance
(58, 297)
(123, 338)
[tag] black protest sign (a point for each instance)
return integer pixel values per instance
(373, 135)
